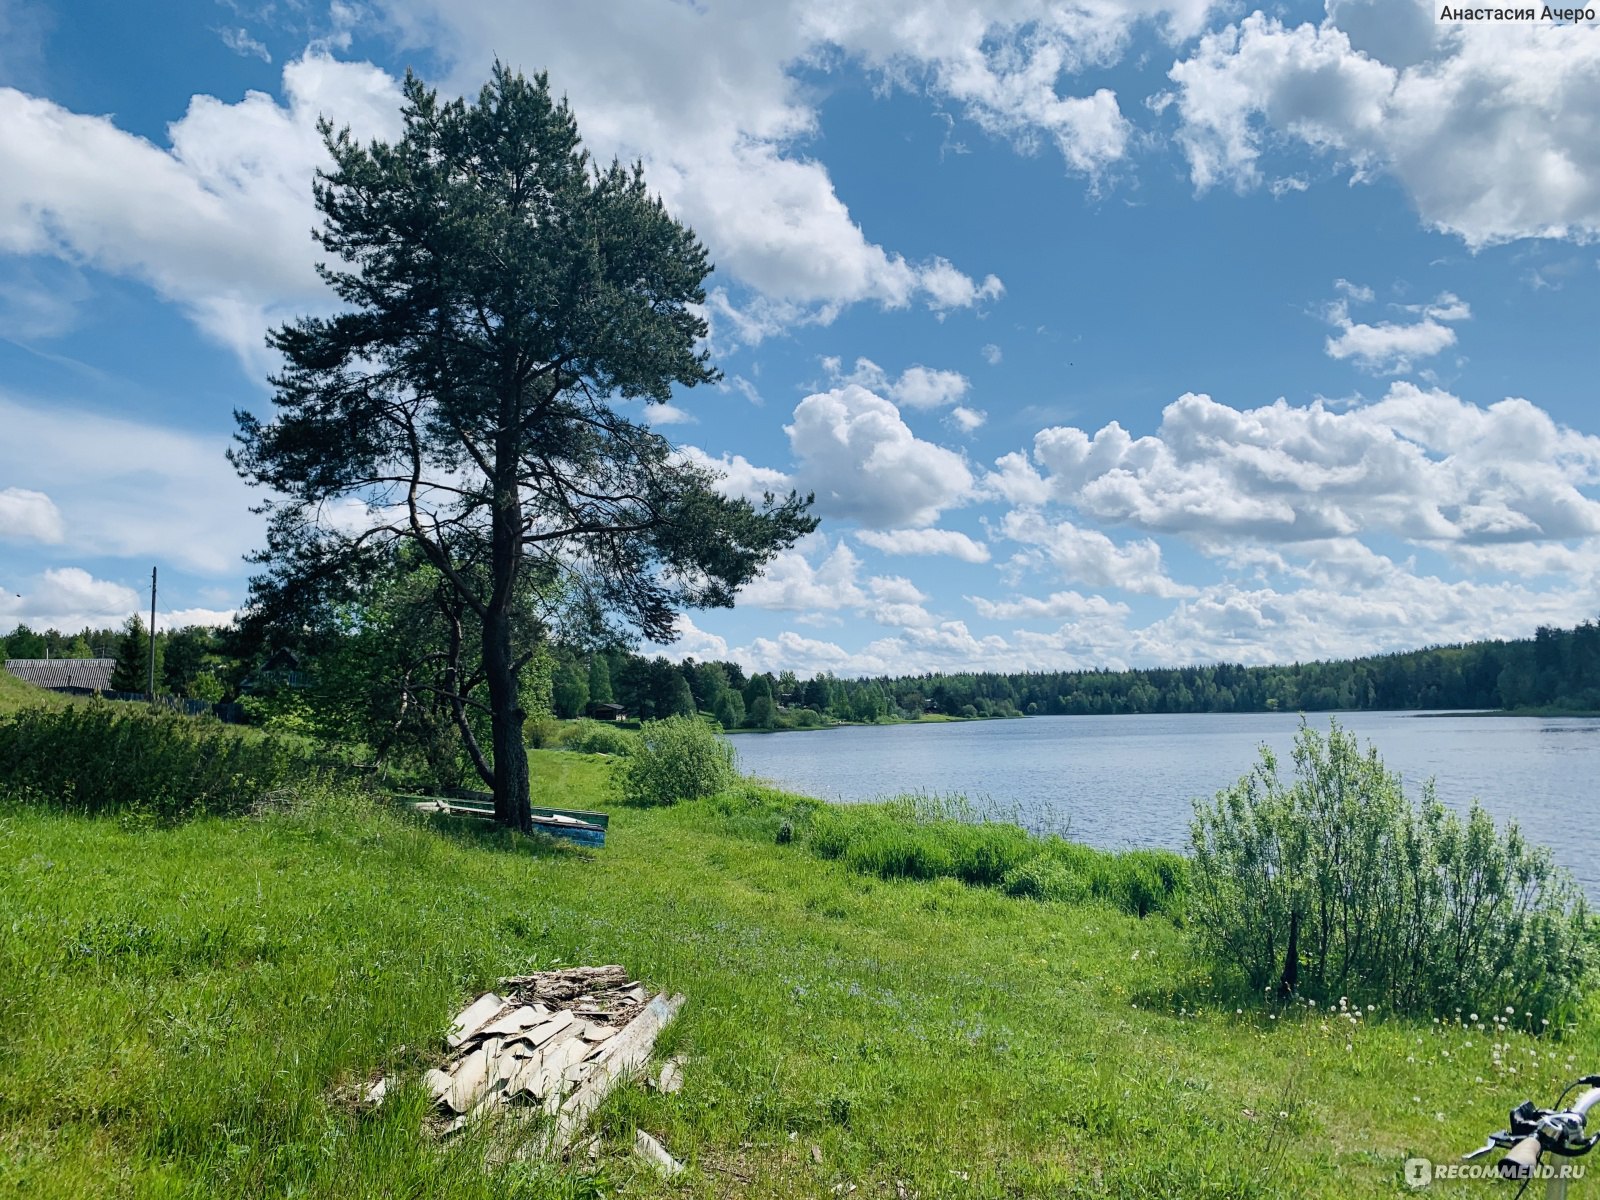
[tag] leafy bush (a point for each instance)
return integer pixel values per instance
(1144, 881)
(543, 733)
(596, 737)
(104, 757)
(680, 758)
(1393, 902)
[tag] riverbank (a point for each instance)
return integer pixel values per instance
(1314, 714)
(179, 1007)
(925, 719)
(1536, 711)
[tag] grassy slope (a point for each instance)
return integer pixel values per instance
(15, 694)
(176, 1005)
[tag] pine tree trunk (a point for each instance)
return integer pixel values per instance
(511, 803)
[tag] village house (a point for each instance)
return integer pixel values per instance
(72, 676)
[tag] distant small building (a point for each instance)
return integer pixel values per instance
(73, 676)
(607, 711)
(281, 669)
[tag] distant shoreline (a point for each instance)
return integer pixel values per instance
(1514, 712)
(945, 718)
(929, 719)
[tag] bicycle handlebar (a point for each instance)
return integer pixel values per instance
(1537, 1130)
(1521, 1159)
(1587, 1101)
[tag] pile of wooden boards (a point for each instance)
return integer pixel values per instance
(551, 1043)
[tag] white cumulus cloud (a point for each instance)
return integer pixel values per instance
(139, 489)
(738, 476)
(68, 599)
(1418, 464)
(967, 419)
(219, 221)
(863, 462)
(1056, 606)
(925, 541)
(1493, 131)
(29, 516)
(915, 387)
(1391, 347)
(1087, 556)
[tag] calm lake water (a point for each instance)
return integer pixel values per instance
(1126, 781)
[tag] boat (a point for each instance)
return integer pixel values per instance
(583, 826)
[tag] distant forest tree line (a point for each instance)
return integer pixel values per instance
(1557, 668)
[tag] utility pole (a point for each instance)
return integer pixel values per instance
(152, 635)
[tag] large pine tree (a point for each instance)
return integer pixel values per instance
(501, 294)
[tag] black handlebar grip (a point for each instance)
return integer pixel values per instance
(1521, 1158)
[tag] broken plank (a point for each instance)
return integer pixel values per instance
(473, 1018)
(654, 1153)
(554, 1031)
(438, 1084)
(513, 1022)
(626, 1053)
(671, 1077)
(468, 1082)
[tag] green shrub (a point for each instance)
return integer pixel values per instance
(596, 737)
(983, 854)
(543, 733)
(680, 758)
(1392, 902)
(105, 757)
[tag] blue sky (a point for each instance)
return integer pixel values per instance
(1126, 332)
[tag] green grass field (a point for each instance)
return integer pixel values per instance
(180, 1006)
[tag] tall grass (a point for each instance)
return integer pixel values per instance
(98, 757)
(1140, 882)
(15, 694)
(184, 1009)
(598, 737)
(925, 837)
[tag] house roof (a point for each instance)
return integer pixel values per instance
(91, 674)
